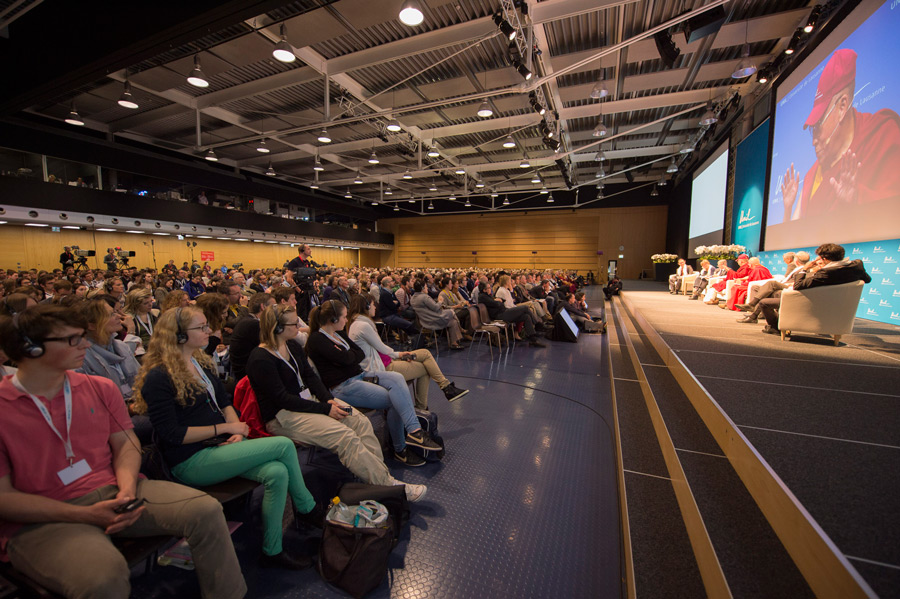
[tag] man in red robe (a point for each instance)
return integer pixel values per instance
(758, 272)
(740, 275)
(857, 153)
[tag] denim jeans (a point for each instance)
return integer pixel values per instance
(398, 322)
(390, 393)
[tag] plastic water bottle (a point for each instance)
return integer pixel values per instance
(341, 512)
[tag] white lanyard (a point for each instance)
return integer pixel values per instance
(209, 386)
(339, 340)
(67, 394)
(148, 327)
(293, 366)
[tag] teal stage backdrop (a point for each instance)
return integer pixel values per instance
(881, 298)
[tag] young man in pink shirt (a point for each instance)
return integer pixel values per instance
(69, 464)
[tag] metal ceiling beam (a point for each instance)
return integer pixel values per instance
(259, 86)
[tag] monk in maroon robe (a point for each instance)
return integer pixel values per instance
(857, 154)
(758, 272)
(741, 273)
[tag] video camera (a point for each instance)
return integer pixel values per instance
(83, 253)
(124, 254)
(237, 265)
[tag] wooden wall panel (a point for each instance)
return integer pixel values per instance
(39, 247)
(564, 239)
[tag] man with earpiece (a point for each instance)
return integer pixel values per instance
(69, 465)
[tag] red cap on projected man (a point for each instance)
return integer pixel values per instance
(838, 74)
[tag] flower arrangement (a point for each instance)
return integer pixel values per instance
(663, 258)
(719, 252)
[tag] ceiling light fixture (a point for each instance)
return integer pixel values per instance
(315, 183)
(270, 171)
(813, 18)
(601, 156)
(535, 104)
(601, 173)
(745, 67)
(484, 111)
(317, 166)
(544, 190)
(510, 142)
(479, 183)
(672, 168)
(74, 118)
(394, 126)
(411, 13)
(387, 191)
(536, 178)
(505, 28)
(506, 200)
(794, 43)
(348, 195)
(431, 205)
(599, 90)
(373, 159)
(127, 100)
(601, 185)
(262, 147)
(452, 197)
(358, 180)
(600, 130)
(407, 175)
(686, 148)
(550, 199)
(762, 75)
(396, 208)
(197, 78)
(468, 204)
(460, 170)
(523, 70)
(494, 193)
(432, 187)
(433, 152)
(525, 164)
(412, 198)
(283, 50)
(323, 136)
(374, 202)
(709, 117)
(211, 155)
(654, 192)
(662, 181)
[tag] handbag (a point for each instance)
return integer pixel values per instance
(355, 559)
(393, 497)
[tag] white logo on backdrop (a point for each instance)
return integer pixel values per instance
(886, 281)
(895, 315)
(876, 271)
(885, 304)
(877, 250)
(866, 260)
(857, 251)
(890, 260)
(863, 300)
(896, 293)
(874, 291)
(872, 312)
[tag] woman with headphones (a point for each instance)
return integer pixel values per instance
(294, 402)
(418, 365)
(337, 359)
(201, 437)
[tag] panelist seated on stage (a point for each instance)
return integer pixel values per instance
(772, 287)
(683, 270)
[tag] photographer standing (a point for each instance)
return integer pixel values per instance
(110, 259)
(67, 258)
(302, 284)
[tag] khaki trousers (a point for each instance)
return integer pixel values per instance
(423, 370)
(352, 439)
(79, 561)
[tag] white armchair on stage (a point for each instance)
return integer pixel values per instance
(827, 310)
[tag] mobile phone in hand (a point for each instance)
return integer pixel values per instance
(347, 409)
(130, 506)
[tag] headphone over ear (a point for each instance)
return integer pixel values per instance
(181, 336)
(29, 347)
(279, 325)
(335, 318)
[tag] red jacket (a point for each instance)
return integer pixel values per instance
(245, 402)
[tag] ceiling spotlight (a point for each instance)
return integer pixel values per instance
(283, 50)
(348, 195)
(536, 178)
(318, 165)
(411, 13)
(211, 156)
(323, 136)
(600, 129)
(373, 159)
(654, 192)
(813, 18)
(544, 190)
(394, 125)
(127, 100)
(510, 142)
(407, 175)
(794, 43)
(484, 111)
(460, 170)
(197, 78)
(709, 117)
(387, 191)
(468, 204)
(479, 183)
(599, 90)
(270, 171)
(74, 118)
(262, 147)
(505, 28)
(550, 199)
(525, 164)
(506, 200)
(535, 104)
(601, 156)
(745, 67)
(523, 70)
(672, 168)
(431, 205)
(551, 143)
(762, 75)
(433, 152)
(358, 180)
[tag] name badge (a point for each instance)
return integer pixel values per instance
(305, 394)
(72, 473)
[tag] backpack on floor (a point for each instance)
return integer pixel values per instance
(355, 559)
(429, 423)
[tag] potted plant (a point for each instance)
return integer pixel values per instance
(664, 265)
(714, 253)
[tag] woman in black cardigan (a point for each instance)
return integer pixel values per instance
(200, 435)
(294, 402)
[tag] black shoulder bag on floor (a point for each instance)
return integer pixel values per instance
(355, 559)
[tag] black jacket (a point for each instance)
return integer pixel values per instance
(835, 275)
(275, 383)
(243, 340)
(171, 420)
(494, 307)
(334, 363)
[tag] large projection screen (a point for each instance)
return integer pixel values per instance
(708, 201)
(836, 145)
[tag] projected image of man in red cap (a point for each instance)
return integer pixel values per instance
(857, 153)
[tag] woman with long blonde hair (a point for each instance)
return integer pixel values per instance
(201, 437)
(139, 306)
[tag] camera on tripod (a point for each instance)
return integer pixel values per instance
(124, 255)
(237, 265)
(82, 254)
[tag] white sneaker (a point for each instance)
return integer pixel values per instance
(415, 492)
